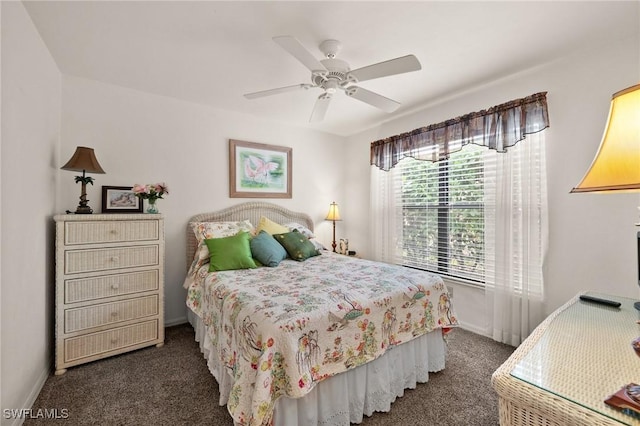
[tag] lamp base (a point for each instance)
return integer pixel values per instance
(83, 207)
(84, 210)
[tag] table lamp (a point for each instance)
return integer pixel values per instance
(616, 166)
(83, 160)
(333, 215)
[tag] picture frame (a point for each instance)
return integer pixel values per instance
(344, 246)
(259, 170)
(120, 199)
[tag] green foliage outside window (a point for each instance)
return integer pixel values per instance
(443, 215)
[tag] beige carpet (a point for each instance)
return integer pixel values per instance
(171, 385)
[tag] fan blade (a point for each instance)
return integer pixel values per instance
(277, 91)
(295, 48)
(320, 108)
(382, 69)
(367, 96)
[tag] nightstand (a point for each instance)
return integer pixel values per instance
(109, 285)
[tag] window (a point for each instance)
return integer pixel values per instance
(441, 209)
(477, 213)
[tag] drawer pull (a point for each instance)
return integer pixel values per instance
(114, 313)
(115, 259)
(115, 286)
(113, 232)
(114, 340)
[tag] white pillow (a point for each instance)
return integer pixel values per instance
(301, 229)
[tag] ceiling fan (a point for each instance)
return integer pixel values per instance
(333, 74)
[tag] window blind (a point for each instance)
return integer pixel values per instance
(441, 208)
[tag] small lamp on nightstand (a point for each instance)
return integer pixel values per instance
(83, 160)
(333, 215)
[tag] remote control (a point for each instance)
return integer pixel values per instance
(600, 301)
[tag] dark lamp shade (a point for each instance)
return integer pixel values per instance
(334, 213)
(83, 160)
(616, 166)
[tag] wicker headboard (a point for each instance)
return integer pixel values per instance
(251, 211)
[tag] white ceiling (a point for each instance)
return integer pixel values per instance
(212, 52)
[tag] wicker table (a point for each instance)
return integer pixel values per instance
(562, 373)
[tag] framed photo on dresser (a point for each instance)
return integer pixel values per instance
(120, 199)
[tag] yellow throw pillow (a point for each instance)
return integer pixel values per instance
(270, 227)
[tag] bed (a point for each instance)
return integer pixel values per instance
(323, 341)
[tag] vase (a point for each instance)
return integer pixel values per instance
(152, 208)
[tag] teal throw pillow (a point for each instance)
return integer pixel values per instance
(266, 250)
(230, 253)
(297, 245)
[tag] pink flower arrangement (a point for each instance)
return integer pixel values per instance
(150, 191)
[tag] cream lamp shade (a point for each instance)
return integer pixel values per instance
(616, 166)
(334, 213)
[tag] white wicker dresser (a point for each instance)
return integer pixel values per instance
(109, 285)
(562, 373)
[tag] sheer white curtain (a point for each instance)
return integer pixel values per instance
(516, 233)
(386, 228)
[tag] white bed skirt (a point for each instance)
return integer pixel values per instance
(346, 397)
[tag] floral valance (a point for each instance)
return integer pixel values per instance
(498, 128)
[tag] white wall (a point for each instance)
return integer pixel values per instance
(592, 236)
(144, 138)
(29, 172)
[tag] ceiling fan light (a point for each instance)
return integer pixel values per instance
(331, 86)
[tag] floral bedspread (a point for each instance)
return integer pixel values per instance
(279, 331)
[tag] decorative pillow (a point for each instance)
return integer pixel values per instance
(209, 230)
(230, 253)
(307, 233)
(271, 227)
(297, 245)
(300, 228)
(267, 250)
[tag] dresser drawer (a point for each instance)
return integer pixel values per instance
(92, 288)
(93, 232)
(109, 313)
(90, 260)
(117, 338)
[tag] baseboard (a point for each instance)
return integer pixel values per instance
(474, 329)
(31, 398)
(175, 321)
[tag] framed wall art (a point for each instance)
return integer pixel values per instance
(258, 170)
(120, 199)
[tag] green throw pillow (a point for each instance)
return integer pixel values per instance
(230, 253)
(297, 245)
(266, 250)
